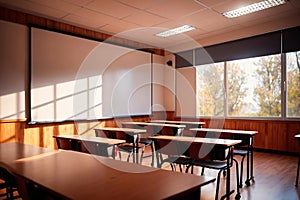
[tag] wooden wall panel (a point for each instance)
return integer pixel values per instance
(272, 134)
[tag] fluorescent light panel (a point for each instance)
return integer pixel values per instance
(175, 31)
(253, 8)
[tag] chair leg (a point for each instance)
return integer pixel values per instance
(238, 195)
(202, 171)
(241, 172)
(297, 177)
(218, 185)
(152, 151)
(142, 155)
(120, 155)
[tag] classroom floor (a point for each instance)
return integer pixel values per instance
(274, 178)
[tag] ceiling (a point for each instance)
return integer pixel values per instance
(140, 20)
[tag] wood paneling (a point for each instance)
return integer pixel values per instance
(277, 135)
(274, 135)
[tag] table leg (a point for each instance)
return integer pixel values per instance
(297, 177)
(228, 191)
(250, 162)
(135, 150)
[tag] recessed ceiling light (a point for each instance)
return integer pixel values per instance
(253, 8)
(175, 31)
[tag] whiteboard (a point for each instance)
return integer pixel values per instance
(74, 78)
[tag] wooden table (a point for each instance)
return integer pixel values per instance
(187, 123)
(101, 143)
(129, 131)
(75, 175)
(213, 141)
(157, 128)
(297, 136)
(245, 136)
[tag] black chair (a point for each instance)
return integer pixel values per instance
(8, 184)
(127, 146)
(239, 150)
(68, 144)
(96, 148)
(214, 157)
(172, 152)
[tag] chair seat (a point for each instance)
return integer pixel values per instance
(178, 160)
(210, 164)
(240, 152)
(146, 141)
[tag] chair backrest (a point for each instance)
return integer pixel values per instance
(68, 144)
(207, 152)
(94, 148)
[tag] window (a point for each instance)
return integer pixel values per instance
(210, 90)
(253, 87)
(293, 84)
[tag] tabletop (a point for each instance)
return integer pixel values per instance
(77, 175)
(127, 130)
(224, 142)
(225, 131)
(91, 139)
(154, 124)
(178, 122)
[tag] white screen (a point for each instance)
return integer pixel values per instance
(73, 78)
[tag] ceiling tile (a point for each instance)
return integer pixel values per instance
(89, 18)
(78, 2)
(207, 20)
(232, 4)
(211, 3)
(112, 8)
(144, 19)
(33, 8)
(118, 26)
(175, 9)
(140, 4)
(57, 4)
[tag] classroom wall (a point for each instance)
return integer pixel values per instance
(273, 134)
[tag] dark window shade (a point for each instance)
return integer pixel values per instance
(184, 59)
(291, 39)
(261, 45)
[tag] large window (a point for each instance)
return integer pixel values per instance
(210, 90)
(254, 87)
(293, 84)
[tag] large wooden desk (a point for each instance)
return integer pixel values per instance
(211, 141)
(129, 131)
(100, 143)
(245, 136)
(75, 175)
(157, 128)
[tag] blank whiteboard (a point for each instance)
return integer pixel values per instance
(74, 78)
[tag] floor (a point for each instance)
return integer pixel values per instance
(274, 178)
